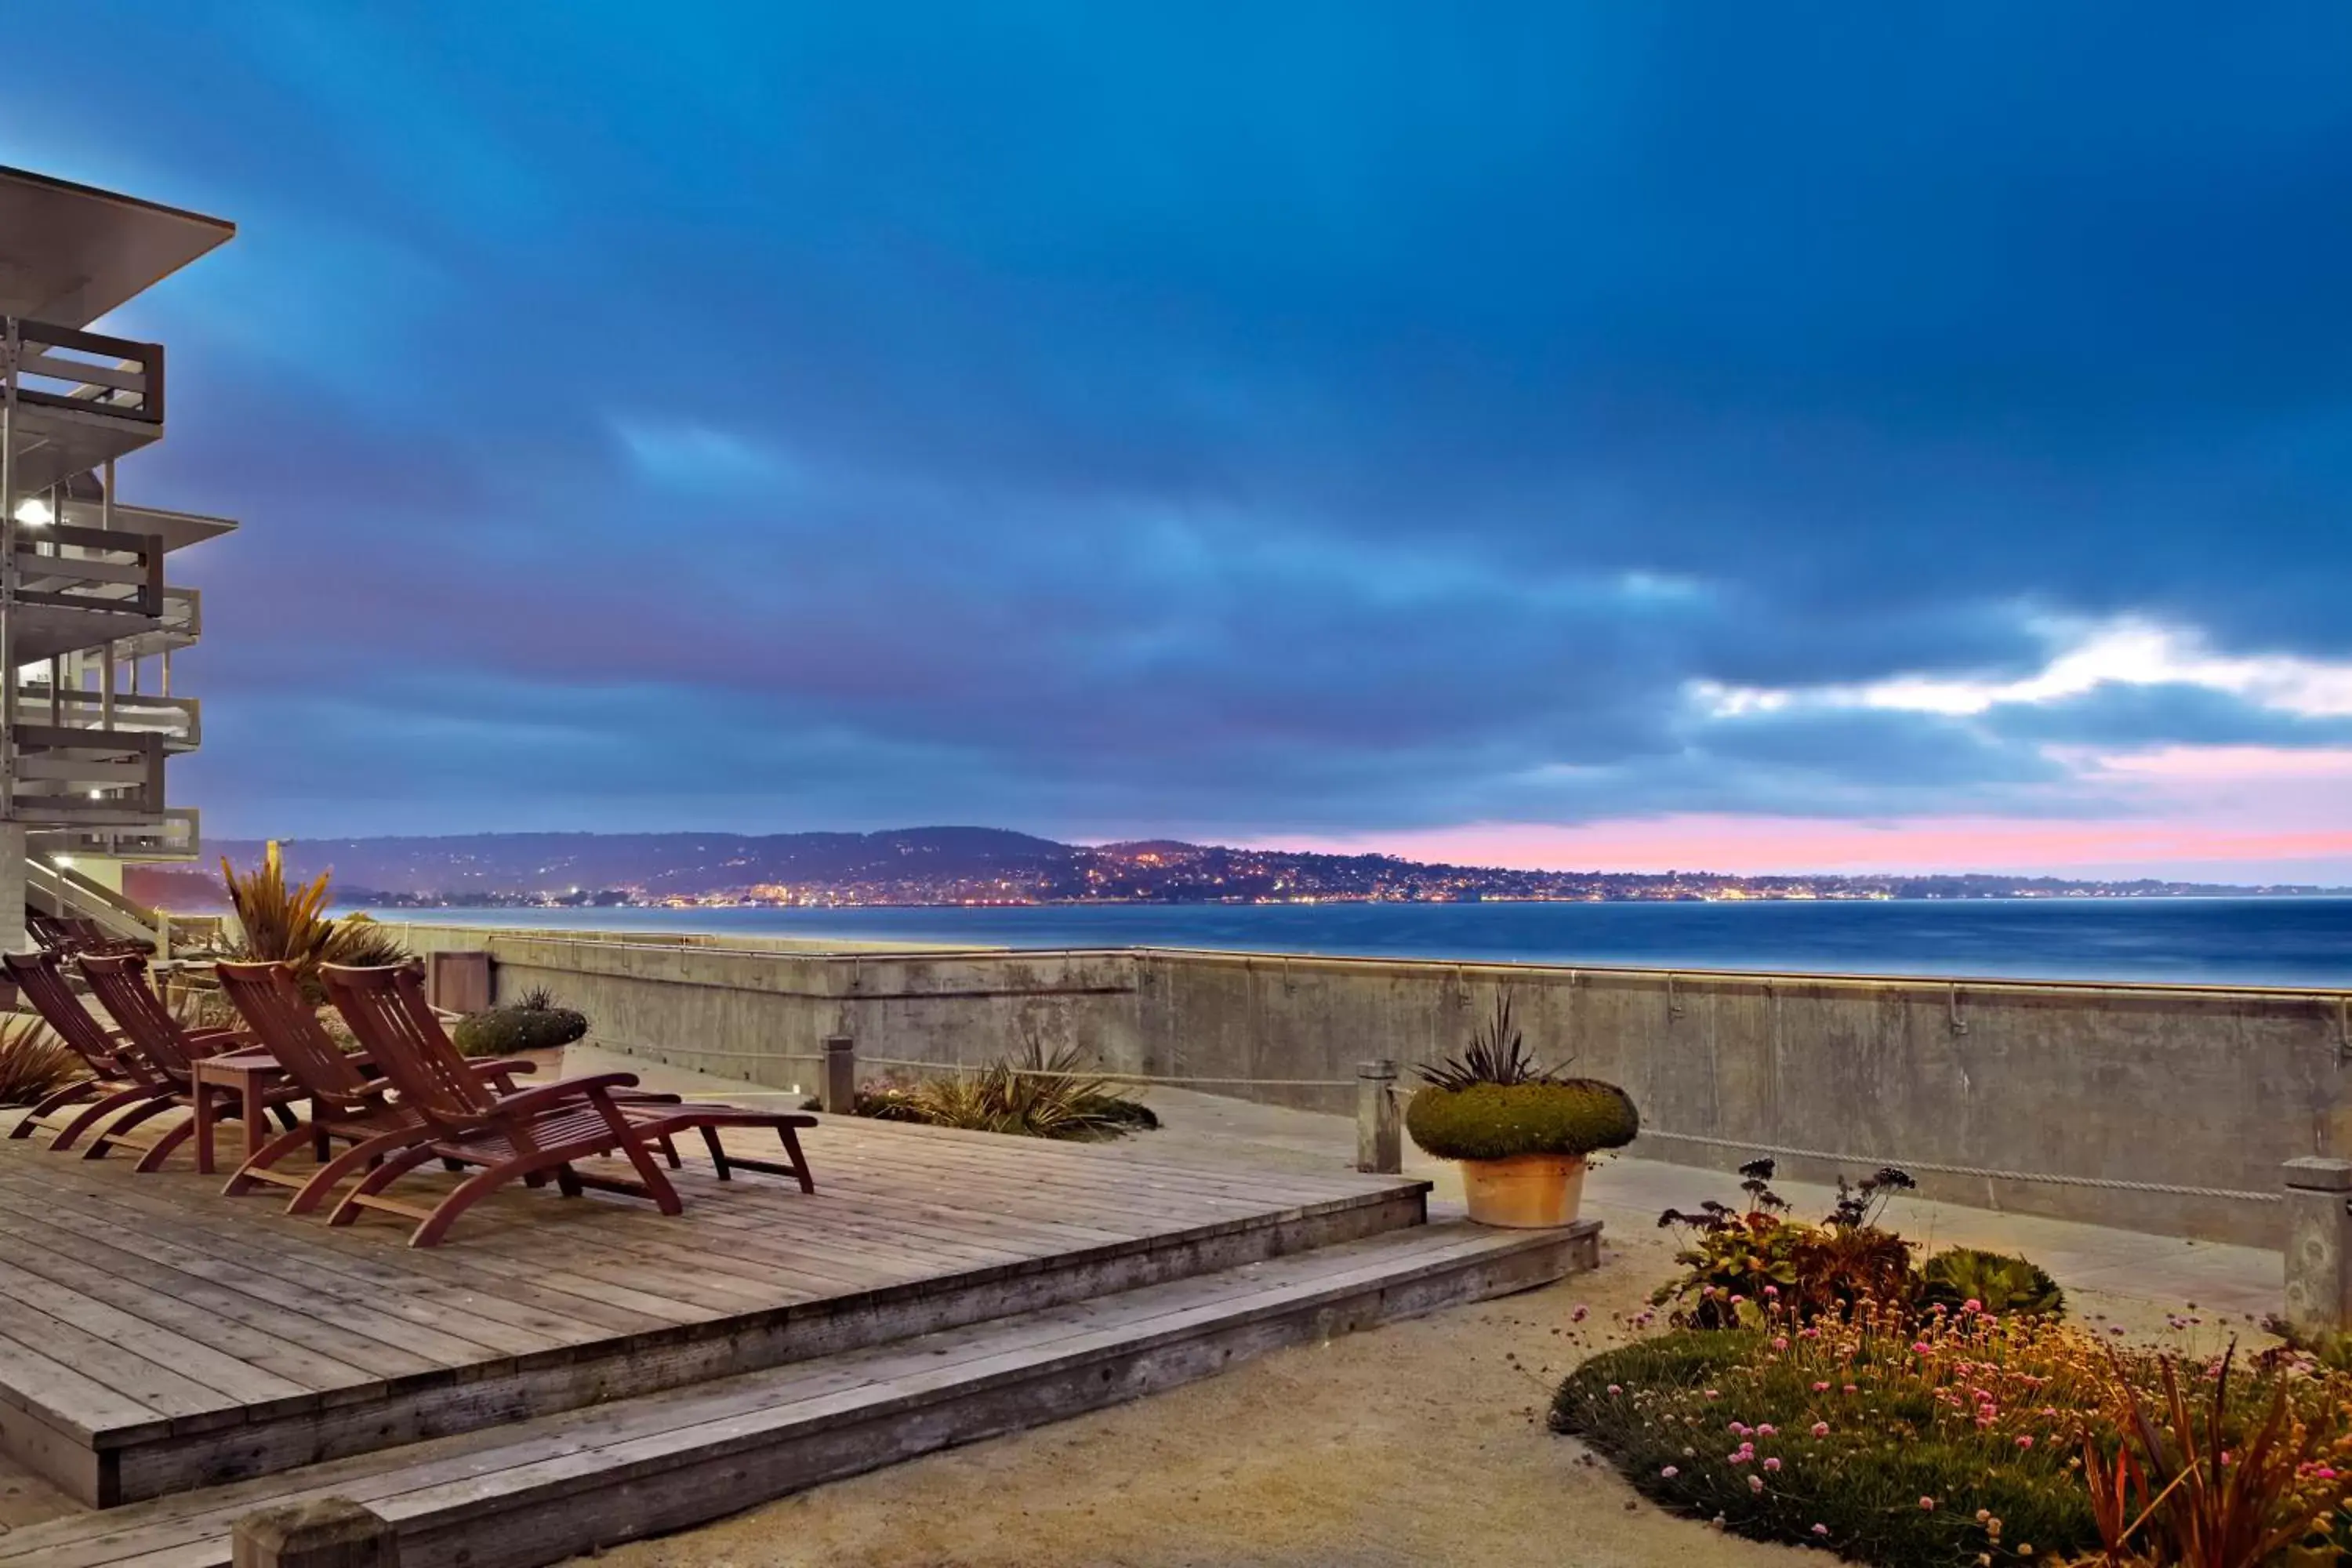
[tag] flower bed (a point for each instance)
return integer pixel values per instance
(1960, 1437)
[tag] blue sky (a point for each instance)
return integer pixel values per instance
(1577, 434)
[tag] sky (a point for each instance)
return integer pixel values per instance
(1825, 437)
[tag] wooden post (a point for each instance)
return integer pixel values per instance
(458, 982)
(2319, 1244)
(332, 1533)
(837, 1091)
(1379, 1148)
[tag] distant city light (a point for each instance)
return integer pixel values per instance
(33, 512)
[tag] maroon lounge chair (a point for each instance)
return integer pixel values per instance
(120, 1080)
(350, 1102)
(170, 1048)
(539, 1132)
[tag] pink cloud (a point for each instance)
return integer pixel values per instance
(2231, 813)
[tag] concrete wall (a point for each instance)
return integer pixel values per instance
(2168, 1086)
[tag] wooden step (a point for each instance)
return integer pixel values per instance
(541, 1490)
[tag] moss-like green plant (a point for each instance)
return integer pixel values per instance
(505, 1031)
(1996, 1281)
(1499, 1120)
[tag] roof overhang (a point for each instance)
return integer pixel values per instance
(69, 253)
(178, 529)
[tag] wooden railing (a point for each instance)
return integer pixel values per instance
(64, 367)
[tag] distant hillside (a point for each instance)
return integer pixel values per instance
(970, 864)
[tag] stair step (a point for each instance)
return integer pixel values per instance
(541, 1490)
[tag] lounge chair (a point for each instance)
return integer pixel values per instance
(350, 1102)
(170, 1048)
(120, 1081)
(539, 1131)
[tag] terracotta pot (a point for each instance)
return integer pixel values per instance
(1526, 1191)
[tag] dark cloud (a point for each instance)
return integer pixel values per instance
(1357, 416)
(2169, 713)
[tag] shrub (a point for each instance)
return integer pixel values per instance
(1737, 1259)
(508, 1031)
(1967, 1438)
(1497, 1121)
(1493, 1100)
(1036, 1096)
(34, 1063)
(2000, 1283)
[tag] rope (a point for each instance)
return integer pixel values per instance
(2108, 1183)
(1112, 1076)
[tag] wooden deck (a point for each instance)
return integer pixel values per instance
(155, 1336)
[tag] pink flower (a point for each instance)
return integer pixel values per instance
(1780, 1341)
(2325, 1472)
(1715, 1394)
(1669, 1473)
(1615, 1390)
(1756, 1483)
(1773, 1463)
(1850, 1388)
(1821, 1530)
(1972, 1305)
(1772, 1289)
(1767, 1430)
(1821, 1428)
(2025, 1441)
(1821, 1388)
(1921, 1347)
(1928, 1503)
(1739, 1429)
(1577, 1316)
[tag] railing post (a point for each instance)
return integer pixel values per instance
(2318, 1244)
(837, 1092)
(1380, 1147)
(331, 1533)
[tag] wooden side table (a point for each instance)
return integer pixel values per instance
(243, 1077)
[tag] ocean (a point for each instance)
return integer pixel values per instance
(2298, 942)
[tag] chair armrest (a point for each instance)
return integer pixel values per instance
(594, 1086)
(501, 1073)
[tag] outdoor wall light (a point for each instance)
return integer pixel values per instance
(33, 512)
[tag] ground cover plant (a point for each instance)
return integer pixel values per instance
(1903, 1428)
(1040, 1094)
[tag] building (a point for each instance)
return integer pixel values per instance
(88, 620)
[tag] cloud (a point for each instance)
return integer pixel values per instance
(1351, 421)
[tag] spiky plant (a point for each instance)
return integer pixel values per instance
(1498, 1053)
(34, 1063)
(1038, 1095)
(290, 925)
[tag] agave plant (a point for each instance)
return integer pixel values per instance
(2000, 1284)
(34, 1063)
(288, 925)
(1496, 1053)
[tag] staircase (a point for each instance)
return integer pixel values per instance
(540, 1491)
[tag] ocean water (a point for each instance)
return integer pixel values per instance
(2241, 942)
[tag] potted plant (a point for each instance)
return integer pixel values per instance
(1522, 1132)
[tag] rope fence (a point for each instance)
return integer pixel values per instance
(2047, 1177)
(1939, 1167)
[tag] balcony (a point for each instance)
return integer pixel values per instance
(82, 588)
(82, 400)
(176, 722)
